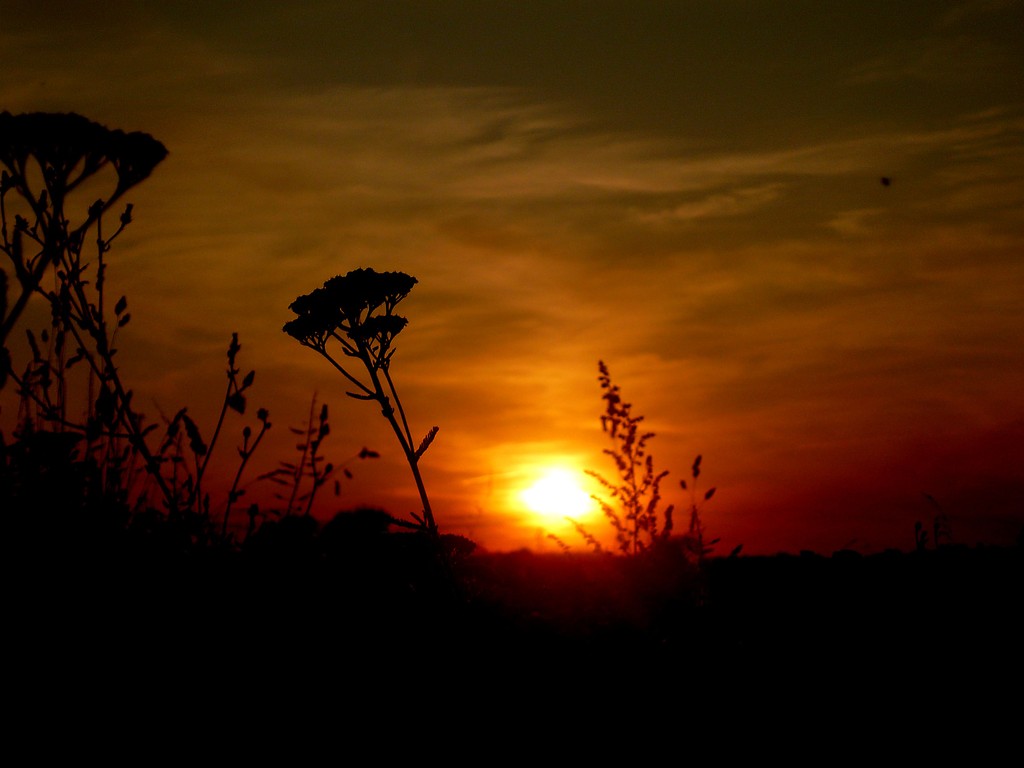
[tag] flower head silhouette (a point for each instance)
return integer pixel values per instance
(356, 311)
(347, 303)
(44, 157)
(69, 148)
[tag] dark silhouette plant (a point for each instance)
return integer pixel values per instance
(245, 453)
(633, 510)
(636, 492)
(694, 540)
(45, 158)
(355, 313)
(50, 163)
(312, 465)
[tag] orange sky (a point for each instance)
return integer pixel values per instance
(689, 192)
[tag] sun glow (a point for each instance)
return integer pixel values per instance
(558, 493)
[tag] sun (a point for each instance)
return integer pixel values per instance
(558, 494)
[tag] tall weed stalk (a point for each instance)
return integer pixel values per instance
(634, 505)
(351, 323)
(635, 492)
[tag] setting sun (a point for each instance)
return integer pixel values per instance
(558, 494)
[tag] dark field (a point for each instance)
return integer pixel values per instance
(300, 608)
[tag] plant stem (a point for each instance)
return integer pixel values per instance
(232, 494)
(405, 439)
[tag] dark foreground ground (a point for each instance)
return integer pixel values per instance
(378, 643)
(390, 608)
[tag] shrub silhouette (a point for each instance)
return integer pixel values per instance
(356, 314)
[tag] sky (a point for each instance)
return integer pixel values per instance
(688, 191)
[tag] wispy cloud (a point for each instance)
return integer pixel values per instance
(733, 203)
(854, 222)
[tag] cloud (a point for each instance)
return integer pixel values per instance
(734, 203)
(853, 223)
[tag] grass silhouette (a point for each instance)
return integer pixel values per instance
(312, 465)
(694, 540)
(636, 492)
